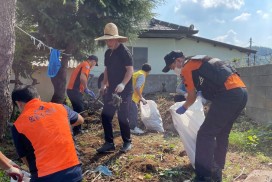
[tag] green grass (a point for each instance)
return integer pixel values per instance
(251, 137)
(4, 177)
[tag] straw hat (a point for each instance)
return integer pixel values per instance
(111, 32)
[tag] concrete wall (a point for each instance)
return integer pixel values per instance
(155, 83)
(45, 88)
(259, 84)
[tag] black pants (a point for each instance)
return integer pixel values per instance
(122, 112)
(76, 99)
(212, 138)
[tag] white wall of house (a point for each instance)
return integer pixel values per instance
(192, 47)
(159, 47)
(45, 87)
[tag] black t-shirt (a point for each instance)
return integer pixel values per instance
(116, 62)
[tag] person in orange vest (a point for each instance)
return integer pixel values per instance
(78, 84)
(138, 82)
(43, 139)
(221, 84)
(11, 168)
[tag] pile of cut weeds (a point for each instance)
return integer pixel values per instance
(154, 156)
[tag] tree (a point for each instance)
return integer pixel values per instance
(25, 51)
(7, 47)
(72, 25)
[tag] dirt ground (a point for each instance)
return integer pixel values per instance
(154, 156)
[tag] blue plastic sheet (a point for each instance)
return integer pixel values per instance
(54, 63)
(104, 170)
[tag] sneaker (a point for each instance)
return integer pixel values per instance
(137, 130)
(126, 147)
(106, 147)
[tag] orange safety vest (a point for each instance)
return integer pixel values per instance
(47, 127)
(74, 82)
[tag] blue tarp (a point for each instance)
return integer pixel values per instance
(54, 63)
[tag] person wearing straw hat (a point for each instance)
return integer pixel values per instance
(117, 81)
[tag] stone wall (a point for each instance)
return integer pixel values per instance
(258, 80)
(154, 83)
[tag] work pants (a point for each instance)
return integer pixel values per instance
(133, 116)
(122, 113)
(212, 137)
(76, 98)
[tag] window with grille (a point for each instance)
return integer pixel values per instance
(140, 55)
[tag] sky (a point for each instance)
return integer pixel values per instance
(229, 21)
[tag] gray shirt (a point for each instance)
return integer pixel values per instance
(140, 81)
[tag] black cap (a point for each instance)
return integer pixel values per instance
(93, 57)
(170, 58)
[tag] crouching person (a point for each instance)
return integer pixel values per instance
(43, 139)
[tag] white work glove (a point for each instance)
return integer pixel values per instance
(15, 173)
(120, 88)
(14, 164)
(143, 100)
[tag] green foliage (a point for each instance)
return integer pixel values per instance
(251, 137)
(237, 140)
(262, 158)
(72, 25)
(25, 50)
(3, 177)
(169, 173)
(148, 176)
(235, 60)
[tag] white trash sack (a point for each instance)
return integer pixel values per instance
(150, 116)
(188, 124)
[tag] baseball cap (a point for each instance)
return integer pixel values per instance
(93, 57)
(170, 58)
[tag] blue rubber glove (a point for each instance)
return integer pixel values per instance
(181, 110)
(199, 93)
(91, 93)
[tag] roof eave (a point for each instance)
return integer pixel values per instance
(177, 34)
(217, 43)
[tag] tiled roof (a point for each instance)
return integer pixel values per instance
(161, 29)
(158, 28)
